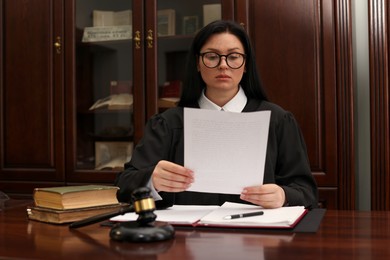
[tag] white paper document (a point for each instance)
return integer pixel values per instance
(278, 217)
(214, 216)
(176, 215)
(225, 150)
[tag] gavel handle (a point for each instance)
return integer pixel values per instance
(101, 217)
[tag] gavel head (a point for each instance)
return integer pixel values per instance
(144, 205)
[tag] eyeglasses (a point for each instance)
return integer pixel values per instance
(212, 59)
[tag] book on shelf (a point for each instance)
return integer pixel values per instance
(103, 18)
(211, 13)
(56, 216)
(116, 164)
(166, 22)
(114, 102)
(75, 197)
(215, 216)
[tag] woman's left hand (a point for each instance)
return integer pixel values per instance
(267, 195)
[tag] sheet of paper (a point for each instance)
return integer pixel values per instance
(177, 214)
(214, 215)
(225, 150)
(278, 217)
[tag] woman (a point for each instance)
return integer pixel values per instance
(221, 74)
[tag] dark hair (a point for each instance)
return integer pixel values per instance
(193, 84)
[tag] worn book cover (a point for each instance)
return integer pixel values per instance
(71, 215)
(75, 197)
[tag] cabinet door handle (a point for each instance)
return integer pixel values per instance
(137, 39)
(57, 45)
(149, 39)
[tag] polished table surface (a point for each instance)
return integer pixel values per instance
(341, 235)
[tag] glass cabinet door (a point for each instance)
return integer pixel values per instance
(125, 62)
(103, 120)
(176, 24)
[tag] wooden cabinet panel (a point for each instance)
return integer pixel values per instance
(31, 107)
(328, 197)
(303, 51)
(290, 68)
(379, 24)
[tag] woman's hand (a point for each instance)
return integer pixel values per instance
(267, 195)
(171, 177)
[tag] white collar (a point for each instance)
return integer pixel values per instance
(236, 104)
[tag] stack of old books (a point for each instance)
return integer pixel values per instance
(72, 203)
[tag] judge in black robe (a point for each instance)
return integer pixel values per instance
(286, 164)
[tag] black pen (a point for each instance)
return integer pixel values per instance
(244, 215)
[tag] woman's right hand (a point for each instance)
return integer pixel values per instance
(171, 177)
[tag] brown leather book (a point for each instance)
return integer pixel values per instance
(71, 215)
(74, 197)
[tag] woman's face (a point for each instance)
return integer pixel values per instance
(222, 81)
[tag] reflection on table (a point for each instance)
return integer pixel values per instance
(342, 234)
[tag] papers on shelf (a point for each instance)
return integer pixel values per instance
(113, 102)
(167, 102)
(111, 155)
(213, 216)
(107, 33)
(109, 26)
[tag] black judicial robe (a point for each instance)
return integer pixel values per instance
(286, 161)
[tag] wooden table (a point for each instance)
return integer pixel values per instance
(342, 235)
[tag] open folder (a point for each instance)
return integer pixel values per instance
(215, 216)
